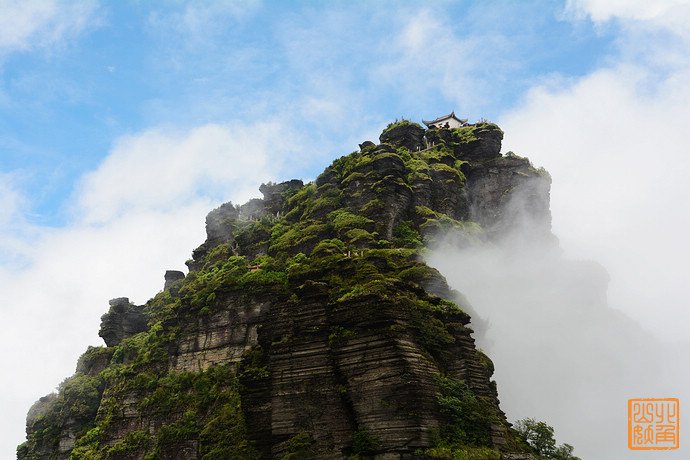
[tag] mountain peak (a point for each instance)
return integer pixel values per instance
(309, 325)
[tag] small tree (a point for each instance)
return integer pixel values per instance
(540, 436)
(565, 452)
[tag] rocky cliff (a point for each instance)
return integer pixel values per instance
(308, 325)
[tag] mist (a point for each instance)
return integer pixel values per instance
(562, 354)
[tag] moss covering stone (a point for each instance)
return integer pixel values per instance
(329, 269)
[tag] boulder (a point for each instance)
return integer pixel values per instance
(404, 134)
(123, 320)
(171, 277)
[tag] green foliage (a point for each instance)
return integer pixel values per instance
(217, 254)
(134, 441)
(453, 174)
(333, 235)
(442, 224)
(253, 366)
(203, 406)
(419, 274)
(472, 133)
(224, 436)
(465, 134)
(469, 417)
(433, 335)
(344, 221)
(376, 288)
(328, 247)
(360, 237)
(163, 306)
(252, 233)
(75, 404)
(400, 123)
(565, 452)
(363, 442)
(339, 335)
(87, 447)
(298, 447)
(81, 395)
(540, 437)
(142, 350)
(301, 235)
(439, 154)
(184, 428)
(462, 453)
(92, 356)
(405, 235)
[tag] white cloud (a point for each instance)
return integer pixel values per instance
(42, 23)
(615, 142)
(14, 228)
(51, 308)
(160, 169)
(139, 213)
(428, 56)
(561, 355)
(197, 17)
(12, 200)
(604, 10)
(196, 23)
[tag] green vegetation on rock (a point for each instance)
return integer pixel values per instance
(540, 437)
(332, 271)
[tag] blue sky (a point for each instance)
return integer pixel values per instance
(131, 66)
(123, 123)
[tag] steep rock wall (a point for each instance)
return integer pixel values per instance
(308, 326)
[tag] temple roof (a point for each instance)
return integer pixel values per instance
(444, 118)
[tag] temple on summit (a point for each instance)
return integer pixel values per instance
(446, 121)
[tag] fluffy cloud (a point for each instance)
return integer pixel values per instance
(433, 57)
(615, 142)
(14, 228)
(139, 213)
(197, 24)
(604, 10)
(161, 169)
(41, 23)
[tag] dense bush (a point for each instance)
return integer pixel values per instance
(540, 437)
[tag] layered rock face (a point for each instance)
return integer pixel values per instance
(308, 325)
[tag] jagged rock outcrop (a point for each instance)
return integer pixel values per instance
(172, 277)
(219, 224)
(366, 144)
(124, 319)
(404, 134)
(308, 325)
(276, 194)
(525, 206)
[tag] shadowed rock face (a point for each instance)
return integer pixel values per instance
(122, 320)
(497, 211)
(404, 134)
(276, 194)
(308, 326)
(172, 277)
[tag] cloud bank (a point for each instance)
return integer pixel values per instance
(34, 24)
(615, 144)
(575, 334)
(140, 212)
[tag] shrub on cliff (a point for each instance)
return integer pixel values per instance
(540, 436)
